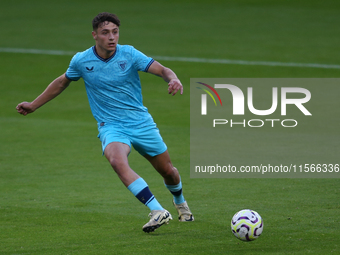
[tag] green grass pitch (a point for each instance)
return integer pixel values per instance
(58, 195)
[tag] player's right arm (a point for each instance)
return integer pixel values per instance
(53, 89)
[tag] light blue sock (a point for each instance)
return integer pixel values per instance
(140, 189)
(176, 191)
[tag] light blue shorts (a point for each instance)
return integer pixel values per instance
(146, 140)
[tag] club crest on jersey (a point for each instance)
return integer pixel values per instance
(122, 65)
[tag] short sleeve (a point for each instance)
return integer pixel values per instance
(141, 61)
(73, 72)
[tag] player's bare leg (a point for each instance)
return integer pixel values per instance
(117, 154)
(164, 167)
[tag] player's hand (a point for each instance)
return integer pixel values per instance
(25, 108)
(174, 86)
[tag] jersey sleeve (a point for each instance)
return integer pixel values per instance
(73, 72)
(141, 61)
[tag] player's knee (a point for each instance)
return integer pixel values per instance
(117, 163)
(170, 171)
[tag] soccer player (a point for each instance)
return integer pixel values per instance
(110, 74)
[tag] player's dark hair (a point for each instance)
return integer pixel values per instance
(104, 16)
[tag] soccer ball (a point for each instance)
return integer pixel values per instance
(247, 225)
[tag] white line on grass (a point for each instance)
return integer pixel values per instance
(36, 51)
(183, 59)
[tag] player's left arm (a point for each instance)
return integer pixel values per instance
(174, 84)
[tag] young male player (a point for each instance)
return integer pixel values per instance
(110, 73)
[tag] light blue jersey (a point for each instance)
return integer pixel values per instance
(113, 86)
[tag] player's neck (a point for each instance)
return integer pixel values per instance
(104, 53)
